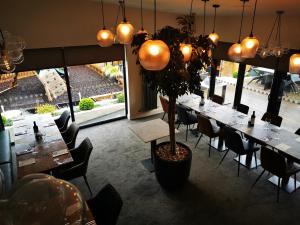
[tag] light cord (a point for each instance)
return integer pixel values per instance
(142, 17)
(244, 2)
(103, 22)
(271, 33)
(253, 19)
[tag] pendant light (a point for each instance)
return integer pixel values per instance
(204, 15)
(186, 48)
(154, 54)
(295, 63)
(105, 37)
(214, 37)
(125, 30)
(142, 30)
(235, 50)
(250, 44)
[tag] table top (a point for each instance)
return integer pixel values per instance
(151, 130)
(278, 138)
(39, 157)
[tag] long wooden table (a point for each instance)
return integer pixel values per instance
(284, 141)
(38, 156)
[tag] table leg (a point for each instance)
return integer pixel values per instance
(153, 146)
(248, 161)
(287, 184)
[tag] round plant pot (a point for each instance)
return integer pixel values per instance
(172, 174)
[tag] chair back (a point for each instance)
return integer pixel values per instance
(70, 135)
(205, 126)
(217, 99)
(81, 154)
(106, 205)
(182, 114)
(298, 131)
(233, 140)
(273, 162)
(164, 104)
(63, 120)
(242, 108)
(273, 119)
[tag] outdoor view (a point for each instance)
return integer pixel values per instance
(97, 93)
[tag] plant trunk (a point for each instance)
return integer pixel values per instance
(171, 120)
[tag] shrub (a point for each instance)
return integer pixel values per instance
(86, 104)
(45, 108)
(4, 120)
(120, 97)
(235, 74)
(7, 122)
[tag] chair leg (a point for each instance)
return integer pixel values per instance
(87, 184)
(163, 116)
(255, 159)
(295, 181)
(223, 157)
(187, 131)
(239, 165)
(257, 179)
(209, 147)
(178, 125)
(278, 189)
(198, 140)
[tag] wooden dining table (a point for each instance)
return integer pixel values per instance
(285, 142)
(39, 156)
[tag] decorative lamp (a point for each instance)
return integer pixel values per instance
(250, 44)
(125, 30)
(105, 37)
(235, 50)
(295, 63)
(186, 50)
(213, 36)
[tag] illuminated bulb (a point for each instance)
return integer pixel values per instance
(125, 32)
(186, 50)
(235, 52)
(105, 38)
(154, 55)
(214, 37)
(264, 53)
(6, 65)
(295, 63)
(249, 47)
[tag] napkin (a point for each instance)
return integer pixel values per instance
(59, 153)
(26, 162)
(283, 147)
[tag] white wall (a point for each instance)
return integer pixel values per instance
(52, 23)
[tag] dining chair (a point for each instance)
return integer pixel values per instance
(63, 120)
(273, 119)
(297, 132)
(275, 163)
(106, 205)
(217, 99)
(205, 127)
(235, 143)
(242, 108)
(185, 117)
(165, 105)
(77, 168)
(70, 135)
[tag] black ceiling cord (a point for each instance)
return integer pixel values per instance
(253, 19)
(123, 10)
(102, 10)
(154, 19)
(191, 13)
(2, 42)
(244, 2)
(204, 16)
(278, 31)
(142, 17)
(117, 18)
(272, 30)
(215, 16)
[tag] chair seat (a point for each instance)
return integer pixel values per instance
(249, 147)
(292, 169)
(192, 118)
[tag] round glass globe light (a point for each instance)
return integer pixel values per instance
(125, 32)
(214, 37)
(249, 47)
(105, 38)
(154, 55)
(235, 52)
(186, 50)
(295, 64)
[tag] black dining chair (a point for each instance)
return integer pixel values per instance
(297, 132)
(185, 117)
(217, 99)
(273, 119)
(242, 108)
(106, 205)
(70, 135)
(205, 127)
(77, 168)
(63, 120)
(275, 163)
(235, 143)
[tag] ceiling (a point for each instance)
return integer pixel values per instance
(228, 7)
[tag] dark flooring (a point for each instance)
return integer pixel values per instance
(212, 195)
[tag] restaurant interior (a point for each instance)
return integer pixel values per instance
(149, 112)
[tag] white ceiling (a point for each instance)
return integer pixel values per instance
(228, 7)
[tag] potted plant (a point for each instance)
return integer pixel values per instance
(172, 160)
(8, 124)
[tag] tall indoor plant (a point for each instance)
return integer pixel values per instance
(178, 77)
